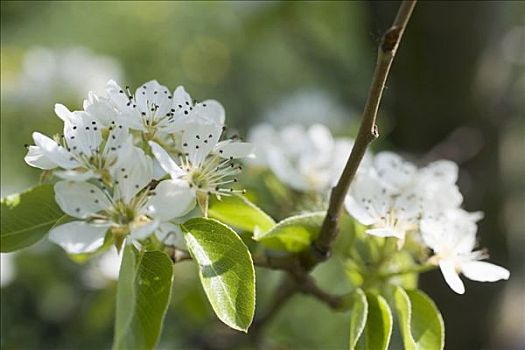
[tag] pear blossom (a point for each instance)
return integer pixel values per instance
(452, 237)
(308, 107)
(129, 207)
(307, 159)
(392, 194)
(389, 215)
(206, 164)
(68, 72)
(154, 110)
(82, 152)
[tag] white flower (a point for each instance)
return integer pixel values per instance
(82, 152)
(452, 237)
(128, 208)
(374, 204)
(392, 194)
(153, 110)
(308, 107)
(306, 159)
(206, 165)
(70, 72)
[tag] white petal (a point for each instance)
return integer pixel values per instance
(432, 233)
(198, 140)
(369, 194)
(78, 237)
(153, 98)
(408, 206)
(36, 158)
(358, 211)
(230, 149)
(54, 152)
(118, 139)
(100, 108)
(338, 158)
(165, 161)
(143, 230)
(117, 95)
(441, 170)
(83, 134)
(62, 112)
(262, 136)
(210, 111)
(448, 269)
(134, 172)
(321, 136)
(173, 198)
(80, 199)
(285, 171)
(182, 103)
(394, 170)
(484, 272)
(131, 119)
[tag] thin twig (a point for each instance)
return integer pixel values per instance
(284, 292)
(308, 286)
(287, 263)
(320, 249)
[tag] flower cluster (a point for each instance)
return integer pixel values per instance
(394, 198)
(131, 164)
(306, 159)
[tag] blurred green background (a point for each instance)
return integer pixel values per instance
(456, 91)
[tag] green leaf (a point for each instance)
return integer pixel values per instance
(358, 317)
(293, 234)
(421, 323)
(404, 316)
(376, 335)
(27, 217)
(225, 268)
(239, 212)
(143, 295)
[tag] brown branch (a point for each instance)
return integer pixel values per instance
(320, 249)
(308, 286)
(287, 263)
(299, 266)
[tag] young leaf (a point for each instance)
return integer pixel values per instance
(239, 212)
(27, 217)
(292, 234)
(419, 319)
(358, 317)
(143, 295)
(404, 317)
(378, 328)
(225, 268)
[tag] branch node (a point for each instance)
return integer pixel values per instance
(391, 39)
(375, 131)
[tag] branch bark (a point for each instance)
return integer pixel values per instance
(368, 132)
